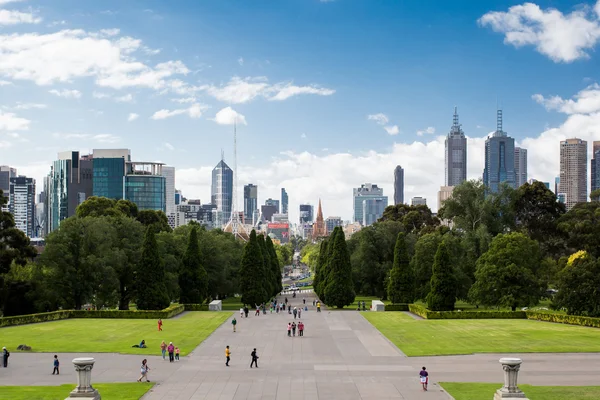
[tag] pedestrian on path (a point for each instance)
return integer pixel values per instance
(318, 306)
(289, 329)
(295, 312)
(163, 349)
(286, 301)
(246, 311)
(159, 324)
(257, 311)
(300, 329)
(424, 378)
(254, 358)
(242, 312)
(144, 370)
(234, 323)
(300, 313)
(176, 353)
(303, 301)
(227, 356)
(293, 329)
(56, 364)
(171, 350)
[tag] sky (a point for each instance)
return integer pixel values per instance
(326, 95)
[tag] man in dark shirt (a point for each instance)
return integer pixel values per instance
(254, 359)
(424, 378)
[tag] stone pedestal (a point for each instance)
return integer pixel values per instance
(377, 305)
(510, 390)
(84, 389)
(215, 305)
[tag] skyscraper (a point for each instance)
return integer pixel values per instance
(365, 192)
(6, 173)
(250, 202)
(520, 167)
(499, 158)
(169, 174)
(306, 213)
(418, 201)
(145, 185)
(22, 204)
(595, 167)
(373, 209)
(284, 201)
(456, 154)
(332, 222)
(272, 202)
(221, 194)
(109, 171)
(398, 185)
(573, 171)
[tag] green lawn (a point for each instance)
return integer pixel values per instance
(105, 335)
(464, 336)
(464, 306)
(108, 391)
(478, 391)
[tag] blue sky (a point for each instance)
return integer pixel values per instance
(304, 76)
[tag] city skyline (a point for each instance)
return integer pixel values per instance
(194, 85)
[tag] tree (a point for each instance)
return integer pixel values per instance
(193, 280)
(339, 290)
(126, 251)
(506, 273)
(595, 195)
(578, 285)
(251, 275)
(443, 283)
(156, 219)
(104, 207)
(275, 268)
(413, 218)
(267, 279)
(151, 290)
(400, 287)
(422, 263)
(309, 255)
(582, 225)
(320, 269)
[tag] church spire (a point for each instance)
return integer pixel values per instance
(319, 212)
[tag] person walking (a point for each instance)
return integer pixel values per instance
(318, 306)
(295, 312)
(242, 312)
(300, 313)
(227, 356)
(257, 311)
(144, 370)
(303, 300)
(176, 353)
(171, 350)
(246, 311)
(234, 323)
(286, 301)
(56, 364)
(314, 302)
(163, 349)
(159, 324)
(254, 358)
(289, 329)
(300, 329)
(293, 329)
(424, 375)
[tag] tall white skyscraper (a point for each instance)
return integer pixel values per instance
(169, 174)
(573, 171)
(520, 167)
(456, 154)
(22, 204)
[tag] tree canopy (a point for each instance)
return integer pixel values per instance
(401, 287)
(339, 289)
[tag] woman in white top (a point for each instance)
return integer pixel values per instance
(242, 312)
(144, 371)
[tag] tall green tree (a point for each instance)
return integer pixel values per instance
(578, 285)
(126, 254)
(250, 272)
(156, 219)
(321, 267)
(339, 289)
(413, 218)
(507, 273)
(150, 278)
(267, 277)
(95, 206)
(443, 282)
(400, 286)
(275, 268)
(422, 263)
(193, 280)
(582, 225)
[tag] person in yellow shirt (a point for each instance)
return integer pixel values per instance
(318, 306)
(227, 355)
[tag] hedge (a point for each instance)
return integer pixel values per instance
(418, 310)
(196, 307)
(34, 318)
(483, 314)
(397, 307)
(564, 319)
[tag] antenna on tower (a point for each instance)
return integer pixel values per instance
(499, 120)
(222, 155)
(234, 225)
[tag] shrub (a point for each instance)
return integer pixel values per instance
(397, 307)
(418, 310)
(35, 318)
(168, 312)
(484, 314)
(196, 307)
(564, 319)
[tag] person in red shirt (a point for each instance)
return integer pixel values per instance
(300, 329)
(160, 324)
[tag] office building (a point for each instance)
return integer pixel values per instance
(595, 167)
(373, 209)
(365, 192)
(178, 197)
(267, 212)
(6, 173)
(456, 154)
(284, 201)
(398, 185)
(22, 204)
(520, 167)
(200, 213)
(532, 181)
(418, 201)
(169, 174)
(145, 185)
(573, 171)
(221, 194)
(279, 217)
(250, 203)
(274, 203)
(109, 171)
(499, 158)
(319, 227)
(444, 194)
(332, 222)
(306, 213)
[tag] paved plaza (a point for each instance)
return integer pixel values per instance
(341, 356)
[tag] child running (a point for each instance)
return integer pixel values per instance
(424, 378)
(144, 371)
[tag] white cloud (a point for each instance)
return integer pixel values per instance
(3, 2)
(194, 111)
(11, 17)
(66, 93)
(240, 61)
(10, 122)
(132, 117)
(128, 98)
(56, 23)
(303, 136)
(561, 37)
(100, 95)
(242, 90)
(587, 101)
(392, 130)
(228, 116)
(184, 100)
(151, 52)
(99, 138)
(5, 83)
(29, 106)
(380, 118)
(430, 130)
(169, 146)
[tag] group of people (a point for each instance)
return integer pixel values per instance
(291, 329)
(253, 355)
(171, 349)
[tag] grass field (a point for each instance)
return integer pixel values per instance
(113, 335)
(478, 391)
(455, 336)
(108, 391)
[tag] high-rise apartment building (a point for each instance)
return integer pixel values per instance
(274, 203)
(595, 167)
(520, 166)
(573, 171)
(145, 185)
(456, 154)
(366, 191)
(332, 222)
(109, 172)
(22, 204)
(444, 194)
(306, 213)
(418, 201)
(284, 201)
(221, 194)
(373, 209)
(250, 203)
(6, 173)
(169, 174)
(499, 158)
(267, 212)
(398, 185)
